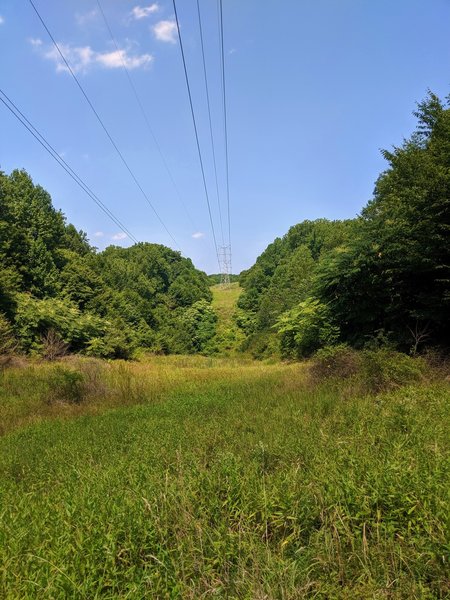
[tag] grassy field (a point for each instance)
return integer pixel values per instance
(199, 478)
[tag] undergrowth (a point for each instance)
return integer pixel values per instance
(221, 479)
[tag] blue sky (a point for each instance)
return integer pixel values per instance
(314, 90)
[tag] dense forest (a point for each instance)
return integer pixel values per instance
(380, 279)
(58, 294)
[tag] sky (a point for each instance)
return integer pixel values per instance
(314, 90)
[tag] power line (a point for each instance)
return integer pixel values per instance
(210, 121)
(54, 154)
(102, 124)
(225, 124)
(144, 114)
(195, 129)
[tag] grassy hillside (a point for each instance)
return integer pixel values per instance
(217, 478)
(229, 336)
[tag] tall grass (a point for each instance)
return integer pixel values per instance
(217, 479)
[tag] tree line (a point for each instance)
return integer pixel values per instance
(381, 278)
(57, 293)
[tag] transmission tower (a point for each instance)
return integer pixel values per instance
(225, 265)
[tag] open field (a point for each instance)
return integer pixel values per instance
(217, 478)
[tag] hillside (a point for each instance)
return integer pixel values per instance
(380, 279)
(59, 295)
(229, 336)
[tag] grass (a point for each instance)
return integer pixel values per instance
(224, 303)
(219, 478)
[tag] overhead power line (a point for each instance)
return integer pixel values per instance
(210, 120)
(225, 124)
(196, 132)
(144, 114)
(133, 176)
(11, 106)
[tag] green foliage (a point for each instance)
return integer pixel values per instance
(386, 369)
(65, 385)
(8, 342)
(35, 318)
(55, 286)
(283, 276)
(306, 328)
(339, 361)
(394, 274)
(386, 272)
(200, 323)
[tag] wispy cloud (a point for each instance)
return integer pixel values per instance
(198, 235)
(99, 234)
(118, 58)
(142, 12)
(165, 31)
(2, 20)
(83, 58)
(84, 18)
(119, 236)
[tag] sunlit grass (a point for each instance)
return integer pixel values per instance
(192, 477)
(225, 298)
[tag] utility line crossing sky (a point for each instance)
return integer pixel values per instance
(314, 90)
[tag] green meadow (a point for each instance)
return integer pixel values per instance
(199, 477)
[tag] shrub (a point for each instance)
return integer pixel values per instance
(53, 346)
(335, 361)
(65, 385)
(386, 369)
(373, 370)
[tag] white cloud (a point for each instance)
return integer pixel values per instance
(166, 31)
(99, 234)
(197, 235)
(119, 236)
(2, 20)
(118, 58)
(82, 58)
(84, 18)
(142, 12)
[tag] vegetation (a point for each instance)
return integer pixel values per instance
(218, 476)
(229, 336)
(216, 278)
(383, 277)
(226, 479)
(58, 294)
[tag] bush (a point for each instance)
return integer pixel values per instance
(65, 385)
(336, 361)
(374, 370)
(386, 369)
(53, 346)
